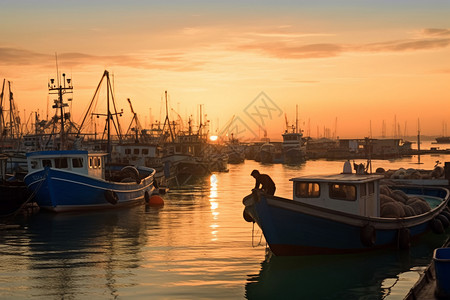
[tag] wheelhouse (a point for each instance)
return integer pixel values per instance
(82, 162)
(349, 193)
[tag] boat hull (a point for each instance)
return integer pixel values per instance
(294, 156)
(59, 190)
(294, 228)
(12, 196)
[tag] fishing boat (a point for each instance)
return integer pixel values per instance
(294, 149)
(68, 180)
(271, 153)
(346, 213)
(293, 146)
(13, 191)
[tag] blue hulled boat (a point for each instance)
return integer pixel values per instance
(68, 180)
(346, 213)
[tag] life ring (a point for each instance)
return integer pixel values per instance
(247, 216)
(111, 197)
(368, 236)
(436, 226)
(444, 220)
(403, 238)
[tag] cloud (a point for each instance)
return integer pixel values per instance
(436, 32)
(12, 56)
(404, 45)
(295, 49)
(167, 61)
(284, 50)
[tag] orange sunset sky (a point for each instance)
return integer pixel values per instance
(350, 66)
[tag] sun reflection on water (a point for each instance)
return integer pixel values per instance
(214, 205)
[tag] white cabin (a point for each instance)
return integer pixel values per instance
(356, 194)
(81, 162)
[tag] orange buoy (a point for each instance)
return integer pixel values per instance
(156, 200)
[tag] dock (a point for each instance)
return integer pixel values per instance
(425, 287)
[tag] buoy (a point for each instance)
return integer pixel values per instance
(247, 216)
(446, 213)
(111, 197)
(368, 236)
(404, 239)
(445, 222)
(156, 200)
(436, 226)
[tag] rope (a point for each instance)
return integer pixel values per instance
(253, 235)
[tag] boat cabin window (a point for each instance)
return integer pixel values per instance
(343, 191)
(127, 151)
(307, 190)
(136, 151)
(34, 164)
(77, 162)
(46, 163)
(145, 151)
(61, 163)
(99, 163)
(95, 162)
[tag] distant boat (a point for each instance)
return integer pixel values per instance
(294, 149)
(271, 153)
(69, 180)
(443, 140)
(345, 213)
(235, 151)
(293, 146)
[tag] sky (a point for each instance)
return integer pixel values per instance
(347, 69)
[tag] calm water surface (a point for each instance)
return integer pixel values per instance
(197, 246)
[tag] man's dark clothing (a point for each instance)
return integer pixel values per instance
(268, 186)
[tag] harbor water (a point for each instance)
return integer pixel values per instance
(197, 246)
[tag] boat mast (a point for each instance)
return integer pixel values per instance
(418, 141)
(60, 89)
(2, 117)
(168, 123)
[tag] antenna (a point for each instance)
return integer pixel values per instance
(57, 71)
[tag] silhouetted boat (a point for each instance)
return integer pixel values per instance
(443, 140)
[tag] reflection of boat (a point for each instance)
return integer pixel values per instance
(13, 191)
(345, 213)
(443, 140)
(76, 180)
(61, 248)
(351, 276)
